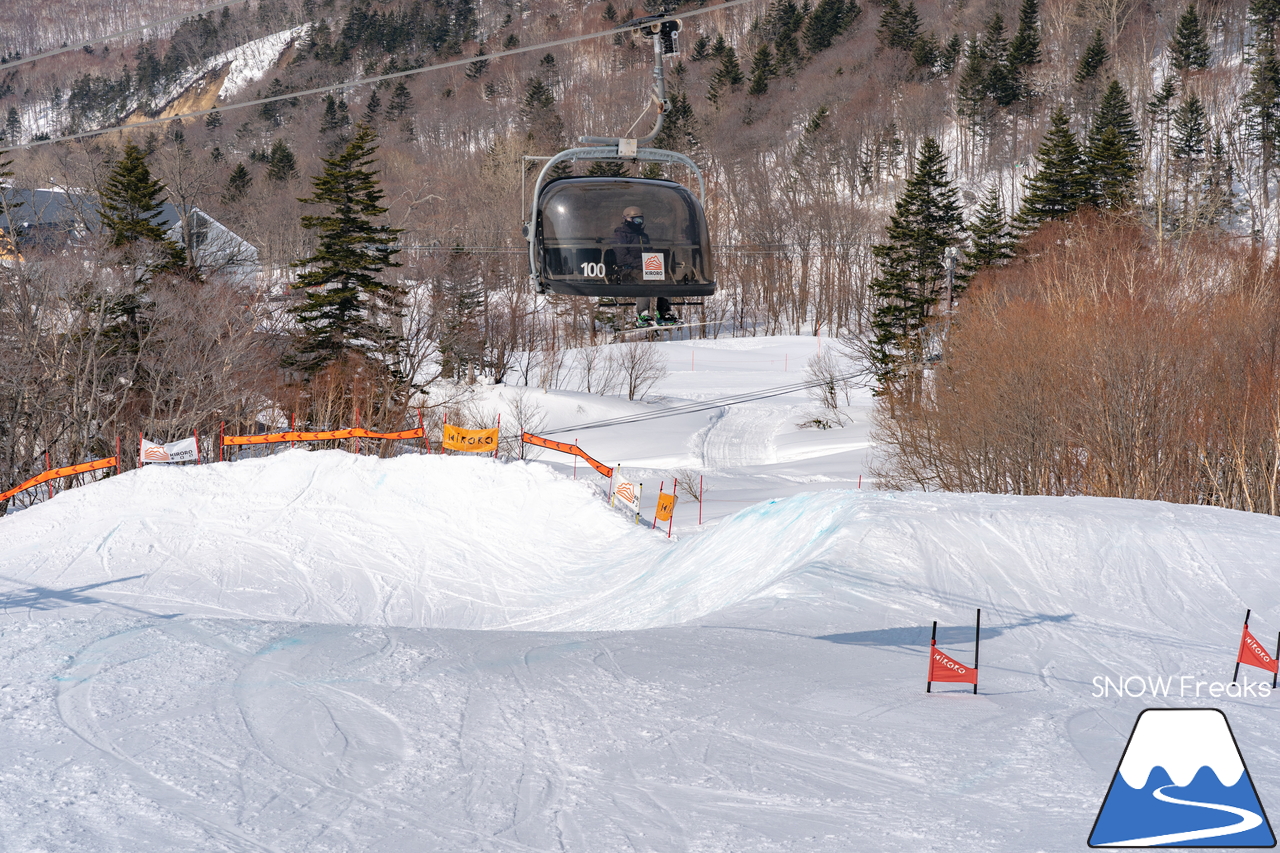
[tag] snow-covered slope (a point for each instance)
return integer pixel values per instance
(455, 542)
(278, 654)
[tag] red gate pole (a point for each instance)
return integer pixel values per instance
(575, 461)
(357, 427)
(140, 462)
(293, 427)
(195, 431)
(672, 520)
(117, 455)
(46, 467)
(222, 434)
(655, 508)
(426, 444)
(499, 441)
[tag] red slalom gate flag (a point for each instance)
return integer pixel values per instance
(1253, 654)
(942, 667)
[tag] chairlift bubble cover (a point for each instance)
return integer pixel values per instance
(585, 249)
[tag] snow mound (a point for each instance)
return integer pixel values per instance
(458, 542)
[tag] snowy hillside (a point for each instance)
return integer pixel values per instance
(281, 654)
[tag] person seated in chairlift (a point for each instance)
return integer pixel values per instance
(629, 240)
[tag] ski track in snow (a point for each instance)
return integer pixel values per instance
(318, 652)
(742, 436)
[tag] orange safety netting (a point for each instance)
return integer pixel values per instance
(82, 468)
(564, 447)
(329, 435)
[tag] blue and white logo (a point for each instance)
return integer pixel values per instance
(1182, 783)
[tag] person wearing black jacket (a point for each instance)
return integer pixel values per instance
(629, 242)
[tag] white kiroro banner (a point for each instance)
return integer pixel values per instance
(174, 451)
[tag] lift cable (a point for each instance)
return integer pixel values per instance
(321, 90)
(704, 405)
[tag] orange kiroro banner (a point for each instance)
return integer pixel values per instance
(666, 506)
(470, 440)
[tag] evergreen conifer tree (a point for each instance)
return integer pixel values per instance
(131, 201)
(1113, 153)
(401, 101)
(1001, 85)
(950, 54)
(991, 241)
(1219, 190)
(1060, 186)
(238, 183)
(372, 108)
(1190, 131)
(336, 114)
(679, 127)
(282, 165)
(347, 310)
(543, 126)
(971, 88)
(899, 25)
(761, 70)
(925, 52)
(13, 126)
(700, 49)
(926, 220)
(829, 19)
(129, 205)
(1262, 113)
(1159, 106)
(476, 69)
(783, 23)
(1189, 47)
(607, 169)
(1091, 62)
(1024, 50)
(1265, 16)
(727, 75)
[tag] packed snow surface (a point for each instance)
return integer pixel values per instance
(318, 651)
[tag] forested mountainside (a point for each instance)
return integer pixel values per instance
(807, 120)
(846, 147)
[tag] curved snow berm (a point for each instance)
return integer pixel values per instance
(456, 542)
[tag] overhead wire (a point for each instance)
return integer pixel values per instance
(704, 405)
(362, 81)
